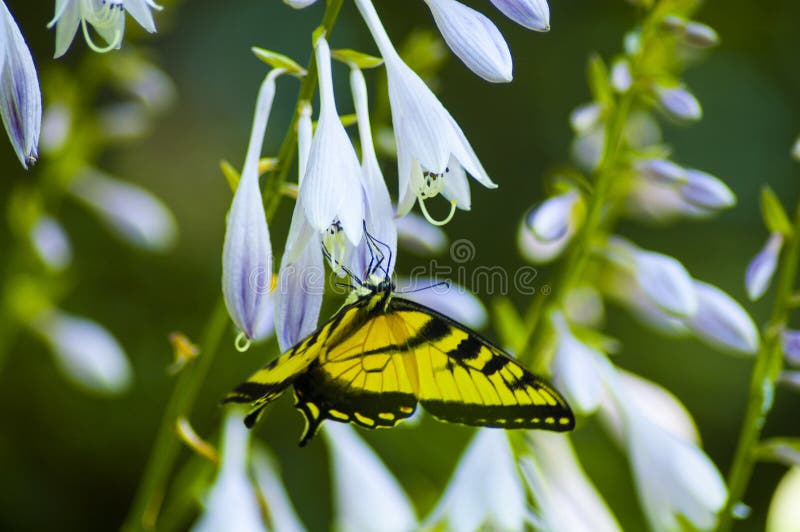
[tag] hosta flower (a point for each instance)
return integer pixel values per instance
(364, 488)
(791, 346)
(762, 267)
(416, 234)
(474, 39)
(51, 243)
(433, 155)
(722, 322)
(231, 503)
(85, 352)
(107, 17)
(331, 189)
(247, 252)
(532, 14)
(20, 98)
(282, 515)
(784, 512)
(450, 299)
(135, 215)
(564, 497)
(577, 368)
(706, 191)
(679, 103)
(485, 490)
(662, 171)
(549, 226)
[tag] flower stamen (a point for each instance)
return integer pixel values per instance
(335, 241)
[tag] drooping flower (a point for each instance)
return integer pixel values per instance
(107, 17)
(363, 486)
(330, 193)
(135, 215)
(784, 512)
(679, 103)
(247, 251)
(549, 226)
(433, 155)
(85, 352)
(282, 515)
(532, 14)
(722, 322)
(231, 503)
(485, 489)
(661, 170)
(474, 39)
(416, 234)
(20, 97)
(51, 243)
(706, 191)
(762, 267)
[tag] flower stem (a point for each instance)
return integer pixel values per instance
(147, 501)
(769, 362)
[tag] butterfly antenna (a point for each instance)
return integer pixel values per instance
(375, 250)
(345, 269)
(429, 287)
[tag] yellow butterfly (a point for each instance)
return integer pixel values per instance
(380, 355)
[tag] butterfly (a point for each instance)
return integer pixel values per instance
(380, 355)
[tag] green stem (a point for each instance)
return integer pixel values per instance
(766, 371)
(147, 501)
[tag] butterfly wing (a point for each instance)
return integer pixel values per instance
(463, 378)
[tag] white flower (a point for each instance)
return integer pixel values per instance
(585, 117)
(762, 267)
(131, 212)
(368, 497)
(722, 322)
(331, 189)
(51, 243)
(485, 489)
(679, 103)
(247, 251)
(107, 17)
(791, 346)
(536, 250)
(416, 234)
(784, 512)
(583, 305)
(232, 504)
(532, 14)
(554, 217)
(577, 368)
(621, 77)
(282, 515)
(432, 151)
(20, 98)
(474, 39)
(450, 299)
(85, 352)
(706, 191)
(654, 201)
(661, 171)
(298, 4)
(564, 495)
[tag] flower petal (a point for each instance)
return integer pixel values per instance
(450, 299)
(419, 236)
(51, 243)
(722, 322)
(707, 192)
(577, 368)
(532, 14)
(762, 267)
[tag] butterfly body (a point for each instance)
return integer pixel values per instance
(381, 355)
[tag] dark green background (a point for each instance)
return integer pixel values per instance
(72, 462)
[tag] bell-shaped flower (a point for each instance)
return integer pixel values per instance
(474, 39)
(675, 479)
(722, 322)
(331, 189)
(784, 512)
(621, 77)
(679, 103)
(107, 17)
(301, 278)
(450, 299)
(532, 14)
(791, 346)
(51, 243)
(135, 215)
(564, 496)
(577, 368)
(20, 97)
(378, 210)
(247, 252)
(549, 227)
(232, 503)
(364, 487)
(661, 171)
(762, 267)
(433, 155)
(706, 191)
(282, 515)
(485, 490)
(583, 305)
(653, 201)
(85, 352)
(415, 234)
(662, 278)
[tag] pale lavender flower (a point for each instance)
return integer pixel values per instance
(231, 504)
(135, 215)
(450, 299)
(364, 487)
(553, 218)
(762, 267)
(51, 243)
(791, 346)
(539, 251)
(247, 251)
(282, 515)
(585, 117)
(474, 39)
(706, 191)
(432, 151)
(662, 171)
(20, 97)
(532, 14)
(784, 512)
(653, 201)
(621, 77)
(85, 352)
(56, 127)
(679, 103)
(583, 306)
(107, 17)
(722, 322)
(416, 234)
(693, 33)
(485, 489)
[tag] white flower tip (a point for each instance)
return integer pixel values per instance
(722, 322)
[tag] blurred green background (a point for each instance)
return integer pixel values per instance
(72, 462)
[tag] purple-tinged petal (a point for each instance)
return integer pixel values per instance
(722, 322)
(532, 14)
(762, 267)
(791, 347)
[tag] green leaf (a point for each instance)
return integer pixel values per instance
(508, 323)
(276, 60)
(231, 174)
(599, 84)
(357, 59)
(781, 450)
(774, 215)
